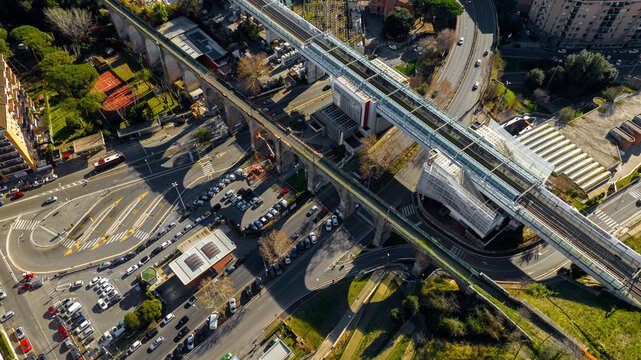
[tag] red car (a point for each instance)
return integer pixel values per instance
(27, 275)
(24, 344)
(26, 286)
(52, 311)
(63, 332)
(325, 211)
(284, 192)
(17, 195)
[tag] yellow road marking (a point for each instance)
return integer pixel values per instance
(76, 245)
(290, 108)
(107, 236)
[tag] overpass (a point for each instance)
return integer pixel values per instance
(507, 182)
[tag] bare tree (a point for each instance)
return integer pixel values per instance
(444, 92)
(251, 69)
(445, 39)
(74, 23)
(542, 96)
(274, 246)
(214, 293)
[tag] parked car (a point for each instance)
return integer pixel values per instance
(328, 225)
(25, 346)
(94, 281)
(143, 260)
(213, 321)
(190, 342)
(17, 195)
(183, 320)
(20, 334)
(232, 305)
(156, 343)
(134, 347)
(190, 302)
(312, 210)
(132, 269)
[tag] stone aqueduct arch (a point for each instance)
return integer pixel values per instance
(135, 39)
(152, 50)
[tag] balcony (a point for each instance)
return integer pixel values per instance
(9, 155)
(14, 169)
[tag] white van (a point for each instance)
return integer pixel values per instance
(283, 203)
(228, 194)
(83, 325)
(134, 346)
(73, 308)
(86, 333)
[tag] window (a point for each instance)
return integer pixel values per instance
(210, 250)
(194, 262)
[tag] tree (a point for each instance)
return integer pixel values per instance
(55, 58)
(3, 34)
(149, 310)
(445, 39)
(160, 13)
(203, 136)
(566, 114)
(274, 246)
(73, 123)
(31, 36)
(140, 113)
(144, 75)
(534, 78)
(92, 102)
(410, 305)
(4, 48)
(441, 9)
(542, 96)
(611, 93)
(589, 71)
(298, 120)
(398, 23)
(251, 69)
(74, 23)
(72, 80)
(132, 322)
(214, 294)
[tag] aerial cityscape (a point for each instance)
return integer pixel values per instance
(320, 179)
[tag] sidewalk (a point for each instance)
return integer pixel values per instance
(354, 310)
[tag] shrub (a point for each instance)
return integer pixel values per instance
(396, 315)
(5, 348)
(538, 290)
(452, 327)
(410, 305)
(132, 322)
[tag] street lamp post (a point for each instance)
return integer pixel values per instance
(175, 185)
(148, 167)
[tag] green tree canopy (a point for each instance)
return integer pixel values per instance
(73, 123)
(55, 58)
(534, 78)
(92, 102)
(140, 113)
(566, 114)
(3, 34)
(160, 13)
(132, 322)
(442, 9)
(150, 310)
(72, 80)
(589, 70)
(203, 136)
(398, 23)
(4, 48)
(31, 36)
(410, 305)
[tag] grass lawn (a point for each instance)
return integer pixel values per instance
(314, 319)
(519, 64)
(608, 327)
(634, 242)
(399, 349)
(356, 287)
(381, 328)
(298, 180)
(408, 70)
(626, 180)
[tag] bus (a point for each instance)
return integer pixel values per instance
(109, 161)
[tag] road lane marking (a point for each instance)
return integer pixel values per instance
(76, 245)
(118, 221)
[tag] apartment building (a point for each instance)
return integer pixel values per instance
(17, 153)
(578, 24)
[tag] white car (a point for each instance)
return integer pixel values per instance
(2, 294)
(156, 343)
(106, 290)
(312, 210)
(562, 51)
(288, 260)
(460, 41)
(334, 220)
(178, 235)
(475, 86)
(188, 227)
(171, 225)
(392, 46)
(168, 318)
(328, 225)
(190, 342)
(477, 63)
(134, 346)
(132, 269)
(103, 305)
(231, 177)
(232, 305)
(198, 220)
(312, 235)
(50, 199)
(213, 321)
(618, 62)
(8, 315)
(51, 178)
(101, 283)
(165, 244)
(20, 334)
(94, 281)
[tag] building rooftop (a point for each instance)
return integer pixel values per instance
(200, 252)
(278, 351)
(355, 90)
(190, 38)
(87, 143)
(343, 122)
(390, 71)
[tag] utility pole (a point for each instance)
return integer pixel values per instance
(175, 185)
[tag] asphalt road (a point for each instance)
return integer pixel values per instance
(620, 210)
(480, 13)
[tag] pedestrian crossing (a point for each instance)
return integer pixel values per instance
(605, 219)
(89, 244)
(408, 210)
(636, 192)
(458, 252)
(208, 168)
(20, 224)
(64, 187)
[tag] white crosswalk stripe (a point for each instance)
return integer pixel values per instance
(604, 219)
(408, 210)
(25, 224)
(141, 235)
(208, 169)
(636, 193)
(68, 243)
(116, 237)
(457, 251)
